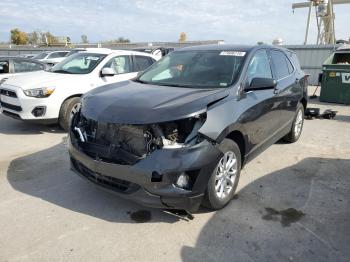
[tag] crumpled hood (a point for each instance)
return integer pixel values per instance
(38, 79)
(130, 102)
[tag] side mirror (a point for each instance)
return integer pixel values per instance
(107, 71)
(260, 83)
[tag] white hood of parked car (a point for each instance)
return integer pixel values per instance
(41, 78)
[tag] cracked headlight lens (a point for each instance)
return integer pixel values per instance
(39, 92)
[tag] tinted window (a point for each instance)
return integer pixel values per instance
(57, 54)
(41, 55)
(196, 69)
(120, 64)
(259, 66)
(281, 63)
(142, 62)
(26, 66)
(4, 67)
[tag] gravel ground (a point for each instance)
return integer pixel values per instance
(293, 204)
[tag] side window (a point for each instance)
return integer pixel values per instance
(142, 62)
(4, 67)
(120, 64)
(259, 66)
(26, 66)
(62, 54)
(53, 55)
(282, 65)
(290, 67)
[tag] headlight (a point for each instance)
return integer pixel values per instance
(175, 134)
(39, 92)
(2, 81)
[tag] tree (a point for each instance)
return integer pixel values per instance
(48, 38)
(18, 37)
(183, 37)
(84, 39)
(33, 38)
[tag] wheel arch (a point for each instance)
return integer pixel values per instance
(238, 138)
(69, 97)
(303, 101)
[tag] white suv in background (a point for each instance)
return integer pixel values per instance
(51, 58)
(51, 96)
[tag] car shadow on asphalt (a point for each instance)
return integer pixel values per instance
(299, 213)
(46, 175)
(11, 126)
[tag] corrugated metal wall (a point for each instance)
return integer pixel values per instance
(311, 58)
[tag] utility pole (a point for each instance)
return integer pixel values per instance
(324, 19)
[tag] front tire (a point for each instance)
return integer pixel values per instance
(224, 179)
(297, 126)
(68, 109)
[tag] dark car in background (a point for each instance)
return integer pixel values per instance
(178, 135)
(13, 65)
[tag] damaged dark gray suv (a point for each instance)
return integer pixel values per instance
(178, 135)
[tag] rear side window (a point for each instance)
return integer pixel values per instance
(282, 65)
(26, 66)
(141, 63)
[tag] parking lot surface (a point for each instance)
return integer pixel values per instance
(293, 204)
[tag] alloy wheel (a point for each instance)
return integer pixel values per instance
(226, 175)
(298, 123)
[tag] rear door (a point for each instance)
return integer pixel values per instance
(287, 86)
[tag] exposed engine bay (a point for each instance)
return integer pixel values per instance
(126, 144)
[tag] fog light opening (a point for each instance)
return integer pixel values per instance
(183, 181)
(39, 111)
(156, 177)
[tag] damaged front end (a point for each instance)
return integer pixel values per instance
(164, 165)
(126, 144)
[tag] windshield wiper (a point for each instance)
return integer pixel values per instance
(139, 81)
(171, 85)
(61, 71)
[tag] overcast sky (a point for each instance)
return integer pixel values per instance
(235, 21)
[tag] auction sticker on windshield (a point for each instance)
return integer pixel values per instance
(232, 53)
(93, 58)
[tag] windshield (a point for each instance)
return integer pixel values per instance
(72, 52)
(41, 55)
(80, 63)
(201, 69)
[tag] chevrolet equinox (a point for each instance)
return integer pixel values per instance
(178, 135)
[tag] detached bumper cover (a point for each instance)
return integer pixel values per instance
(134, 182)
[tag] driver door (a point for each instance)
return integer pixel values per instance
(262, 119)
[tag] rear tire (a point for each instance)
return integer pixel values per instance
(297, 126)
(68, 108)
(224, 179)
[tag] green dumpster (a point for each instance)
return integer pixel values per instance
(335, 85)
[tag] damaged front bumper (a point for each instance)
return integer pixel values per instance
(151, 181)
